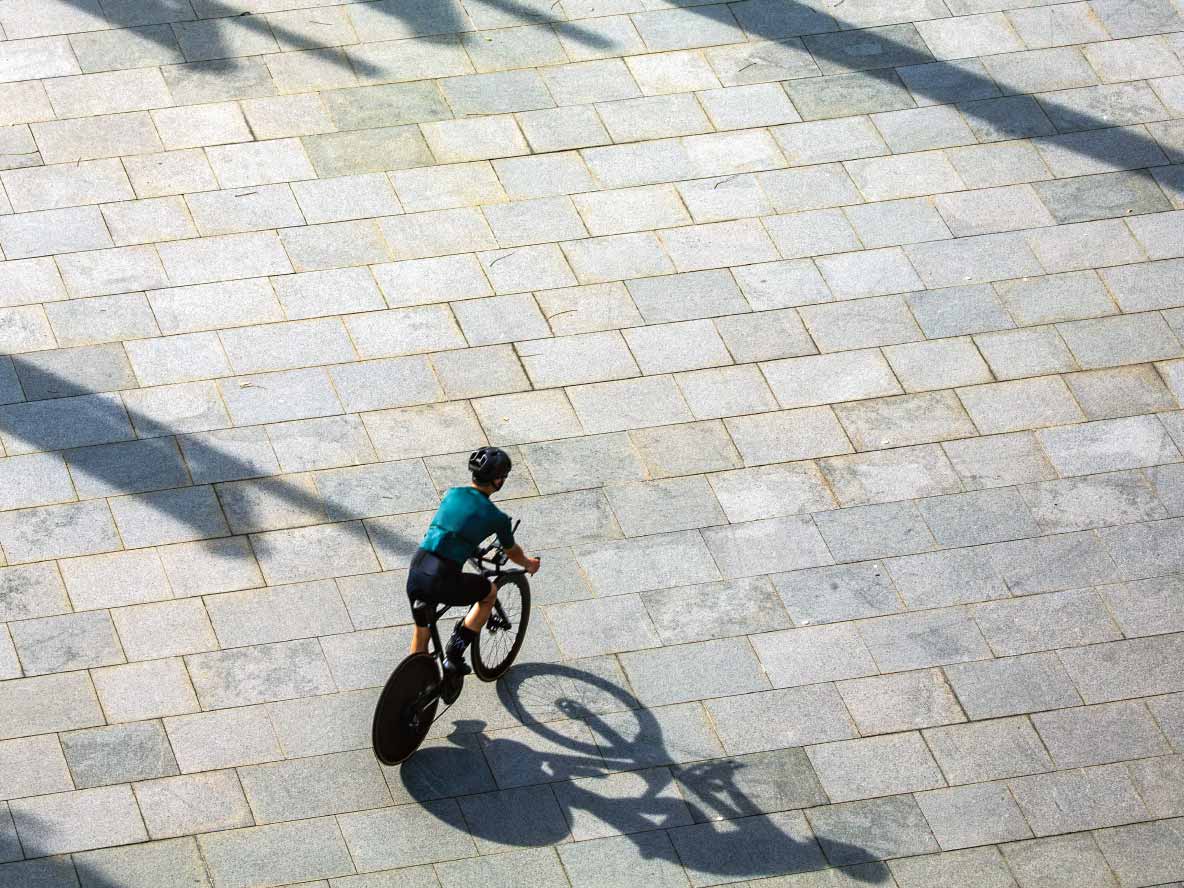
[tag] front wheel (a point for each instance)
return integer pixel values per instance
(498, 644)
(406, 708)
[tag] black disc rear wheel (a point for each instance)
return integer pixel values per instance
(405, 709)
(498, 644)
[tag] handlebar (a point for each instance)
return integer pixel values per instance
(499, 557)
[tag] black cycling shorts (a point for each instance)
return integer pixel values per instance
(437, 580)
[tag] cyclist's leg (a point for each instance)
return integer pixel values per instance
(479, 613)
(421, 589)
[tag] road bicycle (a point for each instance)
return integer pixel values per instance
(407, 706)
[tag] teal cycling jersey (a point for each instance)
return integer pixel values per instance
(465, 518)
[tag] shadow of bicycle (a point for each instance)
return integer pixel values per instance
(590, 762)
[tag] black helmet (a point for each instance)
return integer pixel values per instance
(488, 464)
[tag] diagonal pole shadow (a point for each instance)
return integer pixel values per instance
(433, 20)
(88, 428)
(894, 57)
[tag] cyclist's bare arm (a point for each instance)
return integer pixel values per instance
(519, 557)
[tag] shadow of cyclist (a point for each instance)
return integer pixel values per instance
(594, 757)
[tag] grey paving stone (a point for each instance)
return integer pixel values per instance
(480, 372)
(70, 372)
(728, 391)
(1145, 607)
(260, 674)
(10, 850)
(1059, 862)
(958, 311)
(1142, 550)
(141, 866)
(904, 420)
(984, 865)
(601, 626)
(646, 507)
(1157, 781)
(144, 690)
(663, 736)
(809, 655)
(686, 449)
(869, 273)
(929, 638)
(1123, 669)
(812, 233)
(1095, 501)
(860, 533)
(906, 701)
(540, 867)
(989, 750)
(1069, 801)
(715, 610)
(308, 848)
(715, 668)
(57, 532)
(872, 829)
(324, 724)
(1052, 563)
(852, 591)
(35, 590)
(998, 164)
(1028, 683)
(998, 460)
(1045, 622)
(750, 723)
(1096, 735)
(771, 491)
(118, 754)
(618, 860)
(34, 480)
(1108, 445)
(948, 81)
(771, 544)
(1021, 404)
(978, 517)
(114, 579)
(827, 141)
(33, 766)
(1143, 286)
(67, 642)
(883, 476)
(1157, 234)
(1009, 117)
(978, 259)
(827, 379)
(788, 435)
(973, 815)
(332, 784)
(164, 629)
(844, 95)
(1120, 391)
(1144, 853)
(937, 579)
(642, 564)
(682, 297)
(1032, 351)
(78, 821)
(1110, 342)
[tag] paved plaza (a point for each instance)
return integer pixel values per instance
(839, 347)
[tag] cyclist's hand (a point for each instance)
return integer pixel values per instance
(532, 565)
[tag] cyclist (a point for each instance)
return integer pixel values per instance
(465, 518)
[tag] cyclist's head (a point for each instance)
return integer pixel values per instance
(490, 466)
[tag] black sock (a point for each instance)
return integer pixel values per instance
(462, 637)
